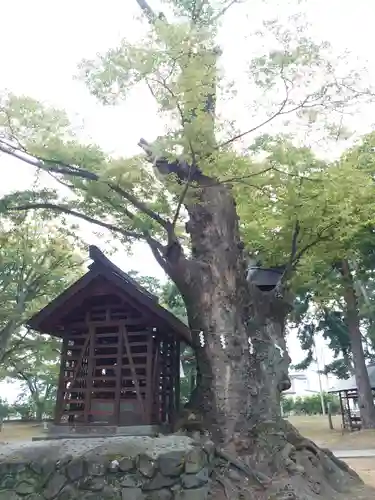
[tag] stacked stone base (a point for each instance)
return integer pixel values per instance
(83, 431)
(165, 468)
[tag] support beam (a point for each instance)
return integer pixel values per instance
(89, 375)
(133, 371)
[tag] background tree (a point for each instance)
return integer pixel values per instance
(343, 324)
(311, 405)
(167, 292)
(5, 409)
(172, 299)
(287, 404)
(153, 285)
(188, 207)
(23, 408)
(36, 368)
(331, 326)
(339, 303)
(38, 260)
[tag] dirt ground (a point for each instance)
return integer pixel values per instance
(317, 429)
(20, 432)
(365, 467)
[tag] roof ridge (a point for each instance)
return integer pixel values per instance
(98, 257)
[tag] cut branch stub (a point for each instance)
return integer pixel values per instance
(183, 170)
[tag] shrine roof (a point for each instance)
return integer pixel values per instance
(103, 268)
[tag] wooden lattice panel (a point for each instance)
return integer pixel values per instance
(116, 369)
(167, 375)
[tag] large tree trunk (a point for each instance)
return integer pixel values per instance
(39, 411)
(242, 363)
(365, 396)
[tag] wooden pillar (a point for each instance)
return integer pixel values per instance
(342, 410)
(176, 381)
(156, 382)
(89, 375)
(118, 371)
(61, 384)
(348, 410)
(163, 361)
(133, 372)
(171, 374)
(149, 378)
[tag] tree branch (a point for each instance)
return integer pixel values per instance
(293, 251)
(66, 210)
(157, 251)
(224, 10)
(180, 168)
(56, 166)
(320, 237)
(152, 242)
(147, 10)
(180, 202)
(73, 171)
(192, 166)
(49, 389)
(195, 11)
(280, 112)
(23, 376)
(5, 355)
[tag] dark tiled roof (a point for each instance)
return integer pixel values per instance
(103, 267)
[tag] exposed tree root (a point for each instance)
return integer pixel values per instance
(251, 473)
(274, 461)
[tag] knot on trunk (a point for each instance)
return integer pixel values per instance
(268, 304)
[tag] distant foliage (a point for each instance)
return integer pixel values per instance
(5, 409)
(309, 405)
(38, 260)
(168, 294)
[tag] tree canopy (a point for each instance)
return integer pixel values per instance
(127, 196)
(33, 360)
(39, 259)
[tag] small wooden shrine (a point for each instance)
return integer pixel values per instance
(120, 361)
(347, 392)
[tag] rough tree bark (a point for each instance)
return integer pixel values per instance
(365, 396)
(239, 326)
(242, 362)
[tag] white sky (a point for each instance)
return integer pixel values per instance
(41, 43)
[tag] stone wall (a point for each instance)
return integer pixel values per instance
(123, 468)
